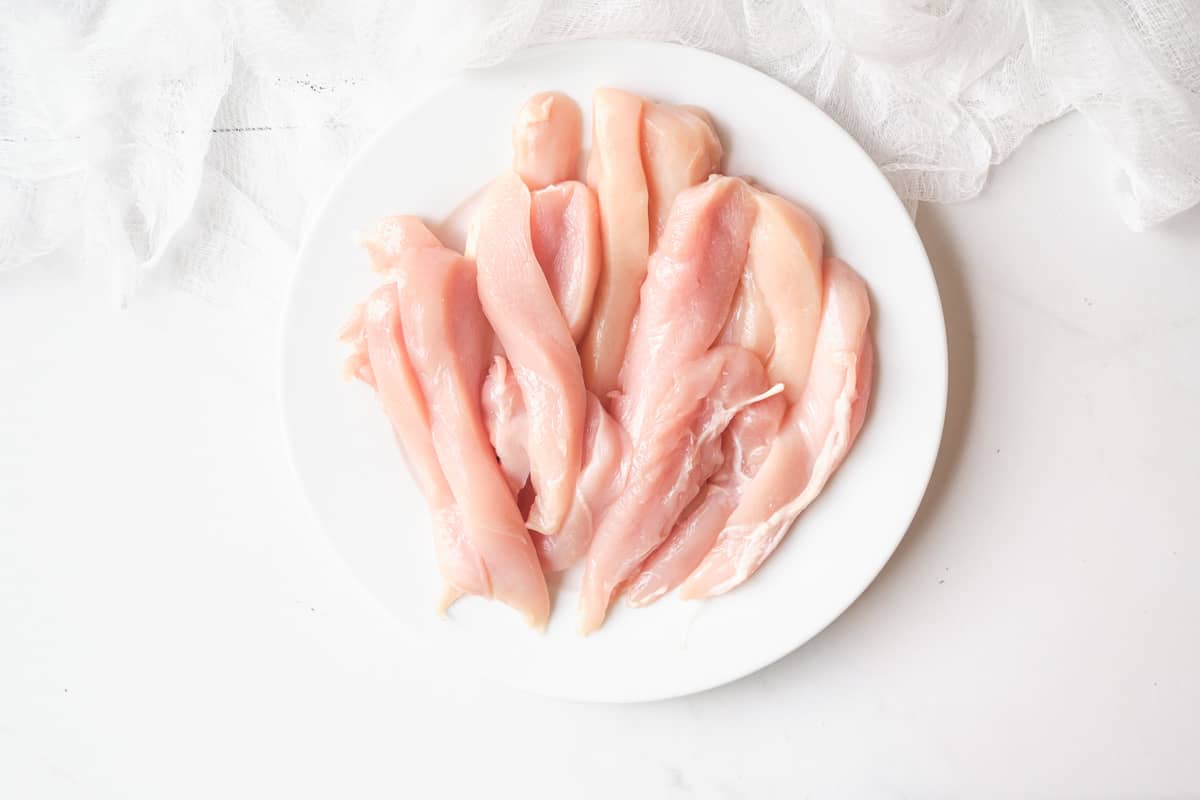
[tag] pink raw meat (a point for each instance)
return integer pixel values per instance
(448, 343)
(380, 360)
(680, 148)
(605, 452)
(744, 447)
(507, 423)
(528, 323)
(815, 435)
(565, 227)
(775, 314)
(679, 449)
(615, 174)
(546, 139)
(687, 293)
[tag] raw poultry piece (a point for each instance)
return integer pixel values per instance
(615, 173)
(680, 148)
(546, 139)
(686, 296)
(605, 455)
(643, 154)
(506, 422)
(517, 300)
(565, 228)
(605, 451)
(380, 360)
(744, 447)
(679, 449)
(546, 146)
(565, 219)
(429, 347)
(778, 305)
(775, 314)
(677, 396)
(815, 435)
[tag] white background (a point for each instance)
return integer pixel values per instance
(172, 624)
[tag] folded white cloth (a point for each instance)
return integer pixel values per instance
(164, 134)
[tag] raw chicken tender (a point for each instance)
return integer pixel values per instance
(744, 447)
(435, 320)
(380, 360)
(679, 449)
(605, 450)
(605, 453)
(546, 139)
(775, 315)
(529, 325)
(615, 174)
(565, 227)
(680, 148)
(778, 306)
(813, 439)
(507, 423)
(643, 155)
(686, 297)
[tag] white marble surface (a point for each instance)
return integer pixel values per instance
(172, 624)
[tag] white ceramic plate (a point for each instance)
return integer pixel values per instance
(441, 150)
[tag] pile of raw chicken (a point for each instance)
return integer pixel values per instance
(653, 371)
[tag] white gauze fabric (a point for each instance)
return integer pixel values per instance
(193, 138)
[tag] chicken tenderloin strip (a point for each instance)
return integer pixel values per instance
(605, 457)
(605, 451)
(381, 361)
(744, 445)
(680, 149)
(448, 344)
(565, 228)
(643, 155)
(615, 173)
(537, 343)
(691, 281)
(775, 314)
(678, 451)
(778, 307)
(546, 139)
(816, 434)
(506, 422)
